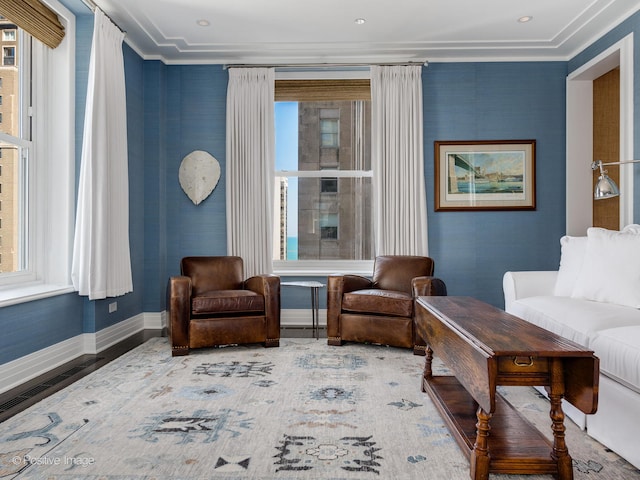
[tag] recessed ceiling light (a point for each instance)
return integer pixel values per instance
(360, 21)
(525, 19)
(203, 23)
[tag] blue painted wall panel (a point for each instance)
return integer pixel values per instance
(197, 110)
(155, 203)
(496, 101)
(32, 326)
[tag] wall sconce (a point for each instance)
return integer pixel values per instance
(605, 187)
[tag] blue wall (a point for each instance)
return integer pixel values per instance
(466, 101)
(174, 110)
(496, 101)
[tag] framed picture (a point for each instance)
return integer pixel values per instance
(485, 175)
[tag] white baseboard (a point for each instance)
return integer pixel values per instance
(301, 317)
(21, 370)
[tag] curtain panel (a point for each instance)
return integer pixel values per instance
(397, 158)
(250, 167)
(101, 257)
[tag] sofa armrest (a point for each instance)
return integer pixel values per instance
(268, 285)
(428, 286)
(179, 305)
(517, 285)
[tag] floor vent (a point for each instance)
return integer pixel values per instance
(46, 384)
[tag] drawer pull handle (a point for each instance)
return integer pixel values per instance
(523, 364)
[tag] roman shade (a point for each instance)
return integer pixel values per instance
(35, 18)
(322, 90)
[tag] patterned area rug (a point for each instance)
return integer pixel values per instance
(304, 410)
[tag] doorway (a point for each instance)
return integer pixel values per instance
(586, 89)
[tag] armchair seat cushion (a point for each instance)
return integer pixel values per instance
(378, 302)
(227, 301)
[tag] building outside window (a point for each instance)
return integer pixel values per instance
(323, 151)
(11, 150)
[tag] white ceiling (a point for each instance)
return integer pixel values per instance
(300, 31)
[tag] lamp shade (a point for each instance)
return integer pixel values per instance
(605, 188)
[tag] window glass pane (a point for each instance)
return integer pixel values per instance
(11, 225)
(312, 228)
(12, 155)
(321, 217)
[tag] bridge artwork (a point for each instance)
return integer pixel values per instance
(497, 172)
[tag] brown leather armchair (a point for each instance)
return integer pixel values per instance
(211, 303)
(381, 310)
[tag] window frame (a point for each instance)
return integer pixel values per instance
(323, 267)
(51, 171)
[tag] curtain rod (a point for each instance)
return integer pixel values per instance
(327, 65)
(91, 5)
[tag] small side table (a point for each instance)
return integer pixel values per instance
(315, 301)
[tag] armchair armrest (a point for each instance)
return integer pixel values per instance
(428, 286)
(337, 285)
(268, 285)
(517, 285)
(179, 305)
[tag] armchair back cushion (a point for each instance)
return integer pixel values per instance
(396, 272)
(213, 273)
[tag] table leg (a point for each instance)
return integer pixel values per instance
(315, 311)
(560, 451)
(480, 458)
(428, 359)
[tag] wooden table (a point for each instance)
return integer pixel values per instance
(484, 347)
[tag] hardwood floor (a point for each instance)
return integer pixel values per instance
(20, 398)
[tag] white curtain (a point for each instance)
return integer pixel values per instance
(250, 167)
(397, 157)
(101, 259)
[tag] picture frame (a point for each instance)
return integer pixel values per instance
(485, 175)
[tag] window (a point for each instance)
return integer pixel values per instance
(329, 226)
(330, 128)
(8, 56)
(328, 185)
(37, 183)
(8, 35)
(15, 146)
(323, 171)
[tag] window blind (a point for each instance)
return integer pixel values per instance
(35, 18)
(320, 90)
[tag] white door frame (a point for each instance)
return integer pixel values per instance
(579, 207)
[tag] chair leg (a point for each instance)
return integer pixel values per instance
(179, 350)
(419, 350)
(335, 341)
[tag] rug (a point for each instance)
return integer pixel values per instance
(304, 410)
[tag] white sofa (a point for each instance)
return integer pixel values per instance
(594, 300)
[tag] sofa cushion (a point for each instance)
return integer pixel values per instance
(572, 318)
(380, 302)
(611, 268)
(227, 301)
(572, 250)
(619, 353)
